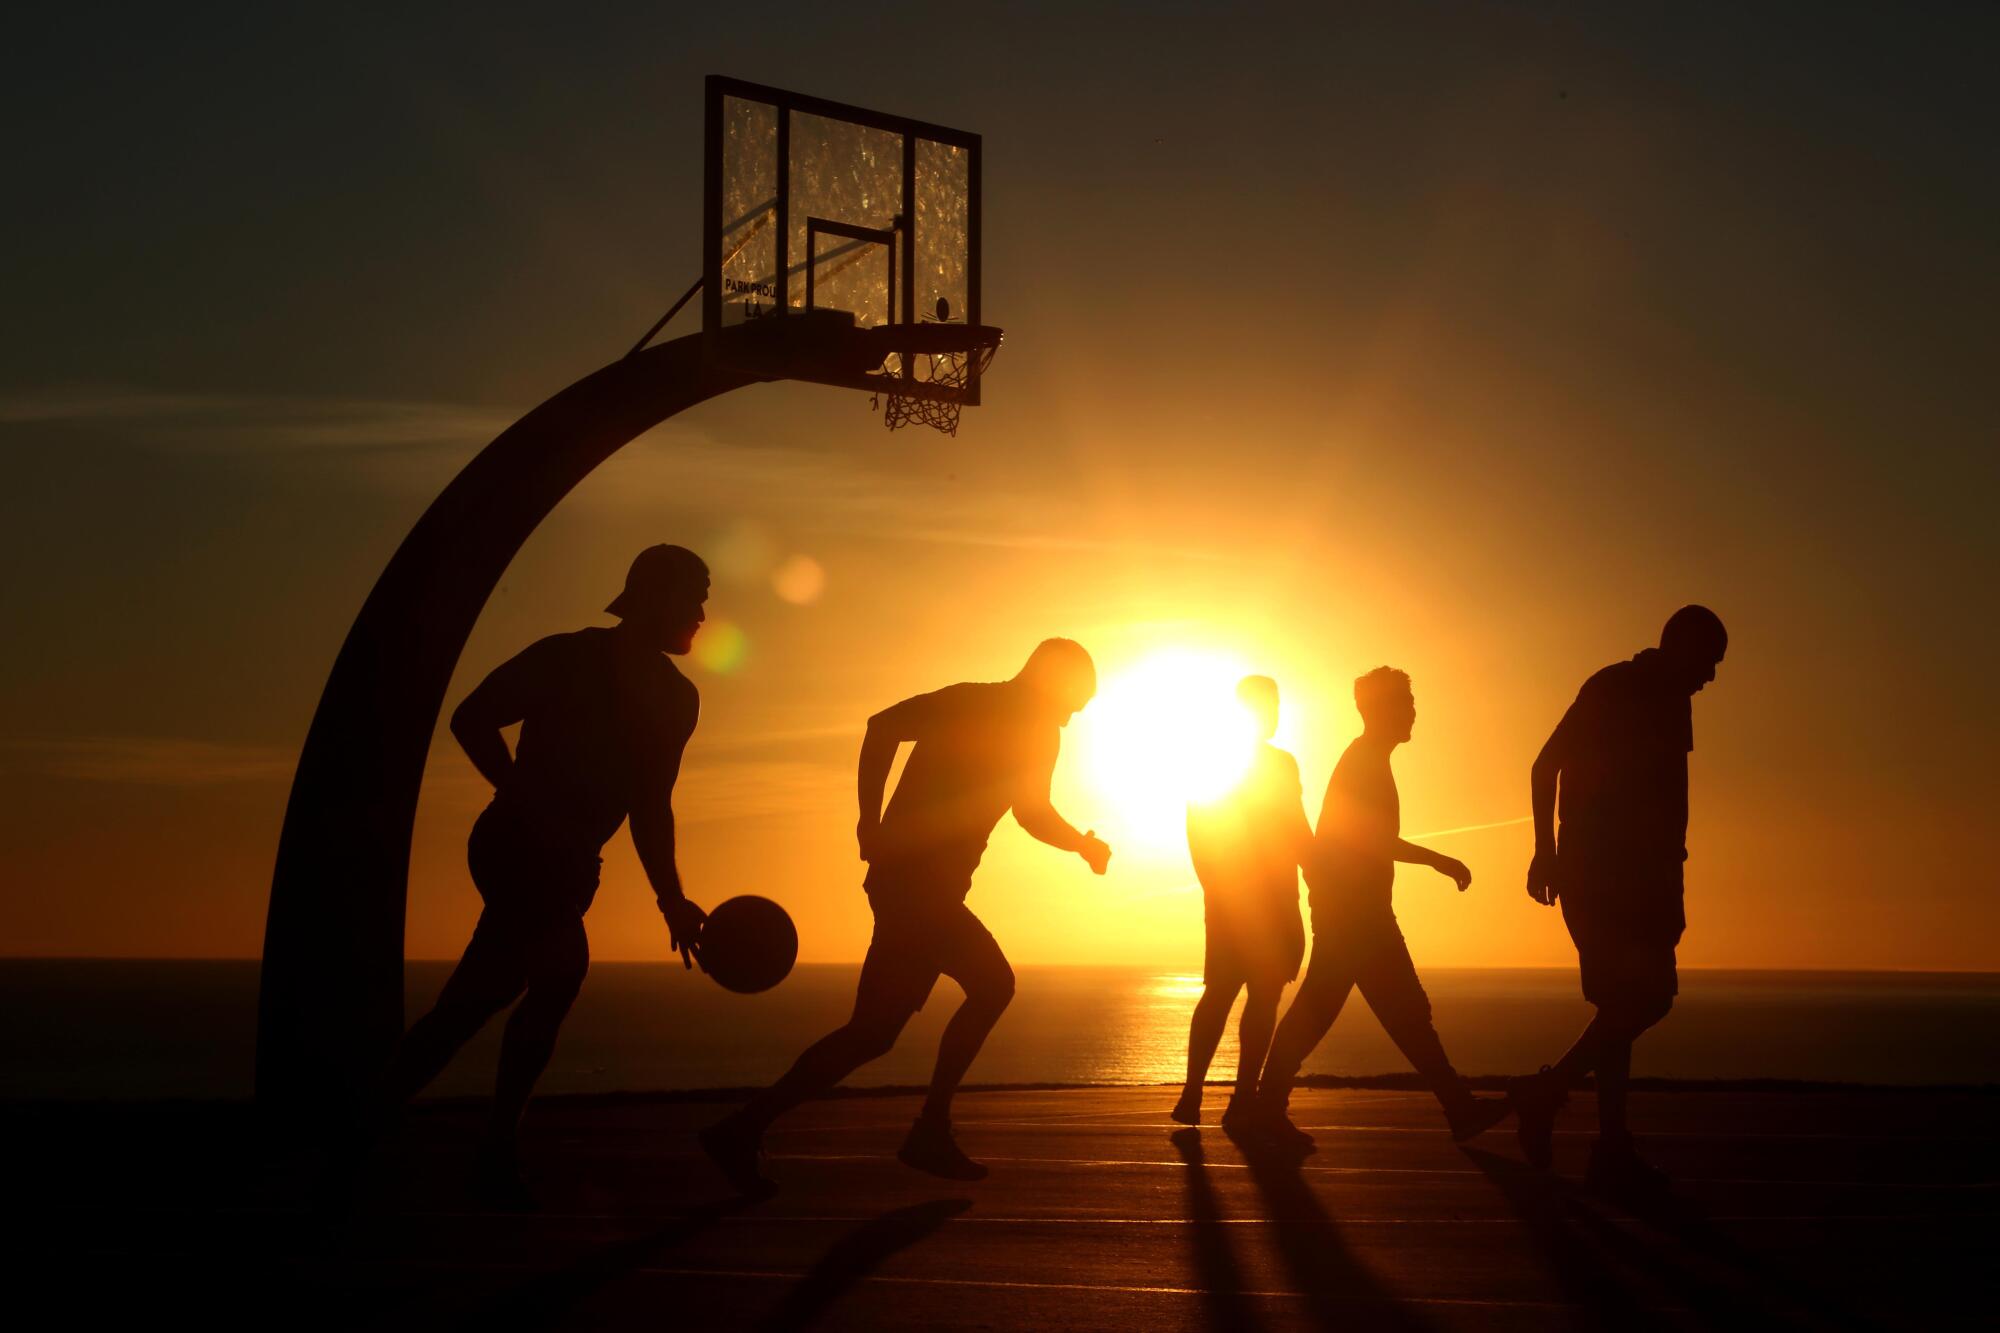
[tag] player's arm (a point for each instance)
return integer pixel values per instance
(887, 731)
(1036, 813)
(499, 701)
(1543, 781)
(653, 837)
(1402, 850)
(1300, 830)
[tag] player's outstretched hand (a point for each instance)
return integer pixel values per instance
(1095, 851)
(1457, 869)
(1542, 878)
(684, 923)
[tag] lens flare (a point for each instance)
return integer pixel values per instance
(720, 646)
(800, 580)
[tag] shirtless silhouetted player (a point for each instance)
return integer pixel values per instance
(604, 718)
(1246, 849)
(979, 750)
(1618, 761)
(1350, 876)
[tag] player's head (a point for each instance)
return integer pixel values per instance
(664, 592)
(1061, 674)
(1693, 643)
(1388, 708)
(1259, 696)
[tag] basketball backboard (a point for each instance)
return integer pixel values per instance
(821, 217)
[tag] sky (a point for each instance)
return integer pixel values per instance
(1470, 339)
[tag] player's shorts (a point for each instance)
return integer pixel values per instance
(1627, 925)
(915, 943)
(515, 866)
(530, 935)
(1263, 944)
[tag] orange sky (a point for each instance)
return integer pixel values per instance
(1472, 356)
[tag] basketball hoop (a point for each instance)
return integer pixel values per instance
(939, 361)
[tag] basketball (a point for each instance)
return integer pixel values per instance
(748, 945)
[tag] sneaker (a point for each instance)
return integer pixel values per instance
(1469, 1117)
(1269, 1123)
(1616, 1171)
(1187, 1111)
(1535, 1100)
(929, 1147)
(734, 1146)
(1241, 1111)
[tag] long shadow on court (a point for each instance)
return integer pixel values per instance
(1339, 1291)
(856, 1255)
(544, 1301)
(1216, 1269)
(1634, 1280)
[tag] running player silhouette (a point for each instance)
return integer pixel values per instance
(1618, 763)
(1350, 875)
(604, 718)
(1246, 849)
(979, 750)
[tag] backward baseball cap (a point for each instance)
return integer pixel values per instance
(659, 575)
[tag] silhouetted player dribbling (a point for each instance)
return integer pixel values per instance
(1246, 848)
(1618, 762)
(1351, 876)
(604, 719)
(979, 751)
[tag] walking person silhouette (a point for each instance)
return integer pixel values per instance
(1350, 877)
(1246, 847)
(604, 720)
(978, 750)
(1617, 762)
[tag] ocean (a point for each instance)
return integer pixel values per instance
(121, 1029)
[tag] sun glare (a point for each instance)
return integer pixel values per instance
(1162, 732)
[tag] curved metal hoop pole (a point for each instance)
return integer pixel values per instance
(330, 1004)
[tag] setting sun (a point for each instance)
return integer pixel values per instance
(1164, 731)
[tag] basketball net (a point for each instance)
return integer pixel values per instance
(950, 371)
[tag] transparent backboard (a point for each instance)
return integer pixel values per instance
(816, 206)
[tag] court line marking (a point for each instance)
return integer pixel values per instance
(961, 1220)
(1394, 1171)
(1002, 1284)
(1164, 1124)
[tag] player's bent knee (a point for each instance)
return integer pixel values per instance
(872, 1041)
(994, 992)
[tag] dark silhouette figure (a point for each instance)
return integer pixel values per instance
(1246, 849)
(979, 750)
(1618, 763)
(604, 719)
(1350, 875)
(330, 992)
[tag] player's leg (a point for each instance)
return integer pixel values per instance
(1253, 1042)
(972, 958)
(1329, 977)
(1627, 970)
(1221, 980)
(490, 975)
(1615, 1165)
(557, 963)
(896, 978)
(1388, 981)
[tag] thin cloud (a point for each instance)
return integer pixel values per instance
(231, 424)
(154, 761)
(741, 790)
(414, 445)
